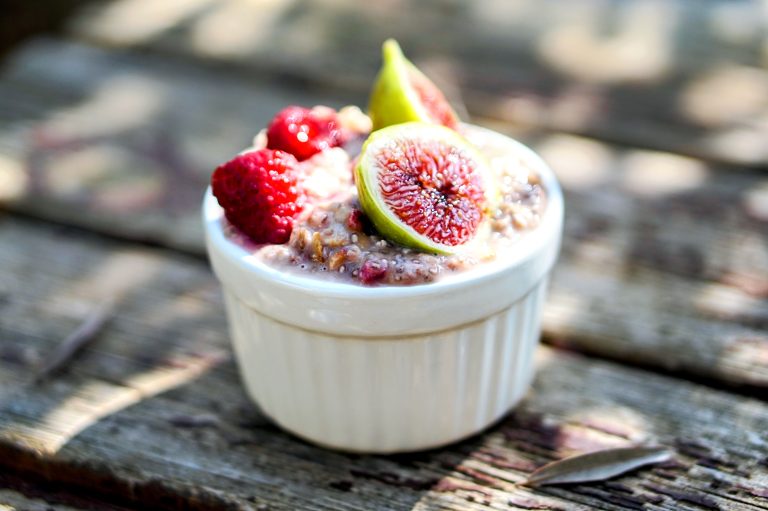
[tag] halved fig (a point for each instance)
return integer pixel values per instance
(402, 93)
(423, 186)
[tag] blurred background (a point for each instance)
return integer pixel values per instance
(199, 77)
(654, 114)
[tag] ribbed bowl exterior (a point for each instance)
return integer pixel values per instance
(388, 394)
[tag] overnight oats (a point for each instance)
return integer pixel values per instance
(384, 272)
(333, 238)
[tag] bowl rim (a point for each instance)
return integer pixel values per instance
(532, 244)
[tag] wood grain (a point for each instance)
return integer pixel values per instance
(118, 136)
(664, 260)
(37, 500)
(112, 424)
(680, 75)
(11, 501)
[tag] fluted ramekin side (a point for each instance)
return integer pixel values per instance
(388, 394)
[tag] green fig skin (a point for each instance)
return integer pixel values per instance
(384, 221)
(393, 99)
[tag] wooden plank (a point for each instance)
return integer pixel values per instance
(680, 75)
(116, 426)
(12, 501)
(37, 500)
(664, 260)
(120, 138)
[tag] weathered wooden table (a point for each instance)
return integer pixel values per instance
(652, 113)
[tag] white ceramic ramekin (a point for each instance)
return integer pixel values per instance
(388, 369)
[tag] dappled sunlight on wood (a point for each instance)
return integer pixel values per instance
(137, 21)
(606, 69)
(747, 350)
(658, 316)
(755, 200)
(579, 163)
(637, 47)
(113, 178)
(495, 15)
(95, 399)
(741, 144)
(543, 358)
(237, 28)
(527, 109)
(116, 104)
(723, 301)
(89, 403)
(574, 107)
(623, 425)
(725, 94)
(139, 354)
(732, 101)
(592, 429)
(14, 181)
(655, 175)
(563, 309)
(117, 275)
(183, 308)
(176, 371)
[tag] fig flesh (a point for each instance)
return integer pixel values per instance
(423, 186)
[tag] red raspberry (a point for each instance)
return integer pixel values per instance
(303, 132)
(373, 271)
(259, 193)
(355, 220)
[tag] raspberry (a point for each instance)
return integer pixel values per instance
(259, 193)
(355, 220)
(303, 132)
(373, 271)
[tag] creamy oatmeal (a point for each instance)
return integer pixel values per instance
(332, 238)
